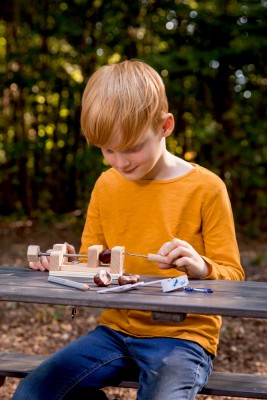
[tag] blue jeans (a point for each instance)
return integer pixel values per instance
(166, 368)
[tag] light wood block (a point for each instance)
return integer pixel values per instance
(60, 247)
(33, 253)
(82, 268)
(59, 264)
(117, 260)
(93, 254)
(57, 256)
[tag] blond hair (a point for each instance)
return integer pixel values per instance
(128, 97)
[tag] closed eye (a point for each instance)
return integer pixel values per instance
(134, 149)
(108, 151)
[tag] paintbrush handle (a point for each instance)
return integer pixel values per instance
(157, 258)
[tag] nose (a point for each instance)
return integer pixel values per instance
(121, 161)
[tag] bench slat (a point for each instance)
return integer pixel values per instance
(220, 383)
(18, 364)
(236, 385)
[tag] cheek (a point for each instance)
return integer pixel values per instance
(146, 157)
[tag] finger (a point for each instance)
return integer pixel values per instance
(45, 263)
(182, 269)
(176, 254)
(165, 266)
(33, 265)
(71, 250)
(169, 266)
(37, 266)
(180, 242)
(173, 244)
(179, 252)
(164, 250)
(183, 263)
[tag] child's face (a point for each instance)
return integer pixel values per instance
(141, 161)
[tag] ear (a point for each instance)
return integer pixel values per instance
(168, 124)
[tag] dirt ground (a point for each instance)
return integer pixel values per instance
(42, 329)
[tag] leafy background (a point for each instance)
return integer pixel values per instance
(211, 55)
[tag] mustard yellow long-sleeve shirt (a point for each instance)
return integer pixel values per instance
(142, 215)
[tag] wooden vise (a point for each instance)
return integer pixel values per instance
(60, 266)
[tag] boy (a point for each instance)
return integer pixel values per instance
(148, 201)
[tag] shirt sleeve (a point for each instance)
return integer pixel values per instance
(93, 231)
(218, 230)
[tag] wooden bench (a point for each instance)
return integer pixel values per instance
(18, 365)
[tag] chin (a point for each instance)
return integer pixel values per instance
(131, 177)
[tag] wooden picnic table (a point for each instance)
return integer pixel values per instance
(229, 298)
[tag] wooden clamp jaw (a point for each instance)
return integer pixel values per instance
(60, 266)
(116, 265)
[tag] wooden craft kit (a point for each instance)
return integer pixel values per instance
(60, 266)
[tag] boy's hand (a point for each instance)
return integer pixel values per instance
(44, 261)
(182, 256)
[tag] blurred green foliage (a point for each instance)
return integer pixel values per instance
(211, 55)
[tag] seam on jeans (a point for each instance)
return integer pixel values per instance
(127, 342)
(207, 373)
(202, 362)
(86, 373)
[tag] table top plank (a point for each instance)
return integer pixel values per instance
(230, 298)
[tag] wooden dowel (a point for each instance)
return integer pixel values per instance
(157, 258)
